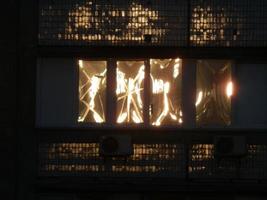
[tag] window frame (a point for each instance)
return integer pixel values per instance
(188, 96)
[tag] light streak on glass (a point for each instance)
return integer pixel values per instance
(199, 98)
(130, 88)
(92, 89)
(165, 106)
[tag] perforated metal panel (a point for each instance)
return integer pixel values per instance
(113, 22)
(228, 23)
(204, 164)
(76, 159)
(151, 160)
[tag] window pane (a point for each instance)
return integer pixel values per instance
(92, 90)
(130, 88)
(214, 91)
(165, 107)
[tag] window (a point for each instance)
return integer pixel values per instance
(92, 91)
(165, 106)
(163, 91)
(214, 91)
(130, 91)
(139, 92)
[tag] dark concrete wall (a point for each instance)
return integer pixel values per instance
(8, 57)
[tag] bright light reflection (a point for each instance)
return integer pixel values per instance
(199, 98)
(229, 89)
(165, 79)
(91, 85)
(129, 88)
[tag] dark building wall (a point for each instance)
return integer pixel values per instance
(8, 57)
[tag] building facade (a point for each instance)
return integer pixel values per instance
(134, 99)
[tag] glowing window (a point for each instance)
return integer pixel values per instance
(130, 88)
(165, 106)
(92, 91)
(214, 91)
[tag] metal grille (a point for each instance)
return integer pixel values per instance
(255, 164)
(228, 23)
(66, 159)
(203, 163)
(113, 22)
(151, 160)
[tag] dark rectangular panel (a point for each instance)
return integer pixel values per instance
(251, 100)
(57, 100)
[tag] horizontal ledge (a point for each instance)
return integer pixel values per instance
(153, 52)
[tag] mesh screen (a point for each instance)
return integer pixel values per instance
(159, 160)
(113, 22)
(83, 159)
(203, 163)
(225, 23)
(228, 23)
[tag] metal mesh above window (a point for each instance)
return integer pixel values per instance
(228, 23)
(180, 23)
(113, 22)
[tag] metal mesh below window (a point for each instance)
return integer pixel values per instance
(227, 23)
(152, 160)
(204, 164)
(76, 159)
(113, 22)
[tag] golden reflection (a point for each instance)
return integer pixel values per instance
(199, 98)
(166, 92)
(211, 24)
(97, 22)
(67, 154)
(92, 88)
(201, 155)
(214, 91)
(130, 80)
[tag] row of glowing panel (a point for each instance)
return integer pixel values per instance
(212, 102)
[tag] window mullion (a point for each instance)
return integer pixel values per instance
(111, 92)
(189, 92)
(147, 92)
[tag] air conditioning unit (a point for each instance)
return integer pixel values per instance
(116, 145)
(230, 146)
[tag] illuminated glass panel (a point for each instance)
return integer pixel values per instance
(165, 107)
(92, 90)
(214, 91)
(130, 89)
